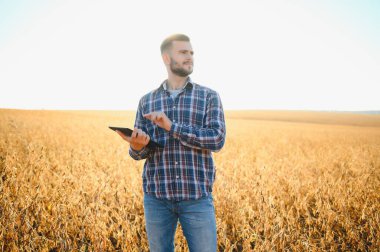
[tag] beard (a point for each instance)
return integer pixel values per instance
(178, 70)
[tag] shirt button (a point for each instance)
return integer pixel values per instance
(174, 107)
(177, 177)
(173, 120)
(176, 162)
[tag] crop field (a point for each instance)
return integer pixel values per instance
(285, 181)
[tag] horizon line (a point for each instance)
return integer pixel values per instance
(375, 111)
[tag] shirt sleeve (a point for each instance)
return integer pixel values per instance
(141, 154)
(140, 124)
(212, 135)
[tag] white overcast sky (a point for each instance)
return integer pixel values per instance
(317, 55)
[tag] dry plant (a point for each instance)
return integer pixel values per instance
(285, 181)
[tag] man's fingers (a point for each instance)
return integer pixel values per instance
(148, 116)
(120, 133)
(154, 116)
(151, 116)
(147, 139)
(127, 138)
(159, 118)
(139, 136)
(134, 132)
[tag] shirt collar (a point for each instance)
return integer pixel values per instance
(189, 84)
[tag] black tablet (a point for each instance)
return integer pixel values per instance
(128, 132)
(125, 131)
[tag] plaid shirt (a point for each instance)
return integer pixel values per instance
(184, 168)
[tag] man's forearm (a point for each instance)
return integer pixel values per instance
(202, 138)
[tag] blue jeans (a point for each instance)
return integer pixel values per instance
(197, 219)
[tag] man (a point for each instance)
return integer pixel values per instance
(188, 120)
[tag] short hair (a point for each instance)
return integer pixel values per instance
(167, 43)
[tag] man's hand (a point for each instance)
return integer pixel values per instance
(138, 140)
(160, 119)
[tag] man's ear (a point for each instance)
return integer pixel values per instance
(166, 58)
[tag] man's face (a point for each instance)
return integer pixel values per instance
(181, 58)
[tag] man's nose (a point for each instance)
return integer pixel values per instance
(189, 56)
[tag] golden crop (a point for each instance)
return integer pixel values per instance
(286, 181)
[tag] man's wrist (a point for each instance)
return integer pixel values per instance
(136, 148)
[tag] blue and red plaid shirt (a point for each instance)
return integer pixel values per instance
(184, 168)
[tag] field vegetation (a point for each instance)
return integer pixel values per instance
(285, 181)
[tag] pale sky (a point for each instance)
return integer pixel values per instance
(303, 55)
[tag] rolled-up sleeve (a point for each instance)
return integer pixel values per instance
(138, 155)
(212, 135)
